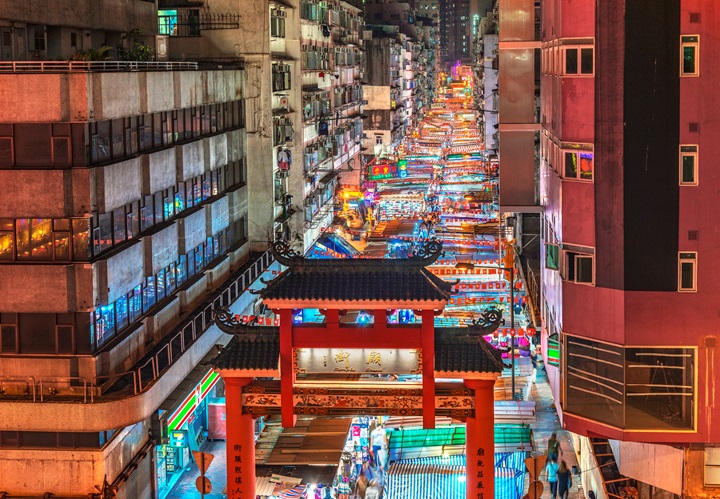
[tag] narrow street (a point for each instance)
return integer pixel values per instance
(440, 185)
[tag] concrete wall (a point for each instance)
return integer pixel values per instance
(161, 249)
(661, 466)
(23, 287)
(118, 184)
(113, 15)
(192, 230)
(119, 274)
(44, 193)
(103, 96)
(70, 472)
(35, 472)
(591, 478)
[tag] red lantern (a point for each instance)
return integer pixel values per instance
(531, 331)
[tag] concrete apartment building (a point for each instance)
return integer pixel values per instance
(486, 72)
(303, 65)
(629, 241)
(128, 212)
(400, 72)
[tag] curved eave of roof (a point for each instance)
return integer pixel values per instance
(464, 352)
(243, 329)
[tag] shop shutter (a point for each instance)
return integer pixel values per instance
(141, 482)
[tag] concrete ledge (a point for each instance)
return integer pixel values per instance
(100, 416)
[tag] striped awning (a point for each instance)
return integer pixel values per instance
(295, 492)
(444, 477)
(431, 478)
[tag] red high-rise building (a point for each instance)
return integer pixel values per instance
(628, 147)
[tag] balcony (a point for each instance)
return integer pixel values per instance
(193, 23)
(93, 66)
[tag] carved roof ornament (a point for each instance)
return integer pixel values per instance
(285, 254)
(232, 324)
(487, 323)
(426, 253)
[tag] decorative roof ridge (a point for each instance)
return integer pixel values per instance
(229, 323)
(426, 254)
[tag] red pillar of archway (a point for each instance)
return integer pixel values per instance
(428, 367)
(480, 442)
(240, 442)
(287, 370)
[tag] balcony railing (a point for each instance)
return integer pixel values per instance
(92, 66)
(191, 23)
(149, 369)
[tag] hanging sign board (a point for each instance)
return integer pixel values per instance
(357, 360)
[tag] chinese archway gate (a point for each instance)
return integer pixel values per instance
(374, 286)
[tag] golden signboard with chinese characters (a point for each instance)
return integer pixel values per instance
(357, 360)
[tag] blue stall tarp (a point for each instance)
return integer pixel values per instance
(444, 477)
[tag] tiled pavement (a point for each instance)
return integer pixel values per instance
(547, 422)
(185, 487)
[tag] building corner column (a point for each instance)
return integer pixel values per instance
(240, 442)
(480, 442)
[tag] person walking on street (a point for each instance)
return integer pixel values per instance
(553, 447)
(564, 480)
(373, 491)
(552, 476)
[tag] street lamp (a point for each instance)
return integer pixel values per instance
(511, 271)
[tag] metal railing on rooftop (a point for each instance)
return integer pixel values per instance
(93, 66)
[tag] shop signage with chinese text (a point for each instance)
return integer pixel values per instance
(356, 360)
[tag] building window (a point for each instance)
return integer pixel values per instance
(378, 140)
(39, 39)
(659, 387)
(579, 267)
(552, 256)
(688, 164)
(690, 55)
(277, 23)
(687, 271)
(648, 388)
(578, 165)
(712, 466)
(579, 61)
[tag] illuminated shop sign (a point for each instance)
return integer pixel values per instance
(178, 438)
(357, 360)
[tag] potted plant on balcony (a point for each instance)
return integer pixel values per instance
(138, 50)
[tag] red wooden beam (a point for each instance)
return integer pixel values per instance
(356, 337)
